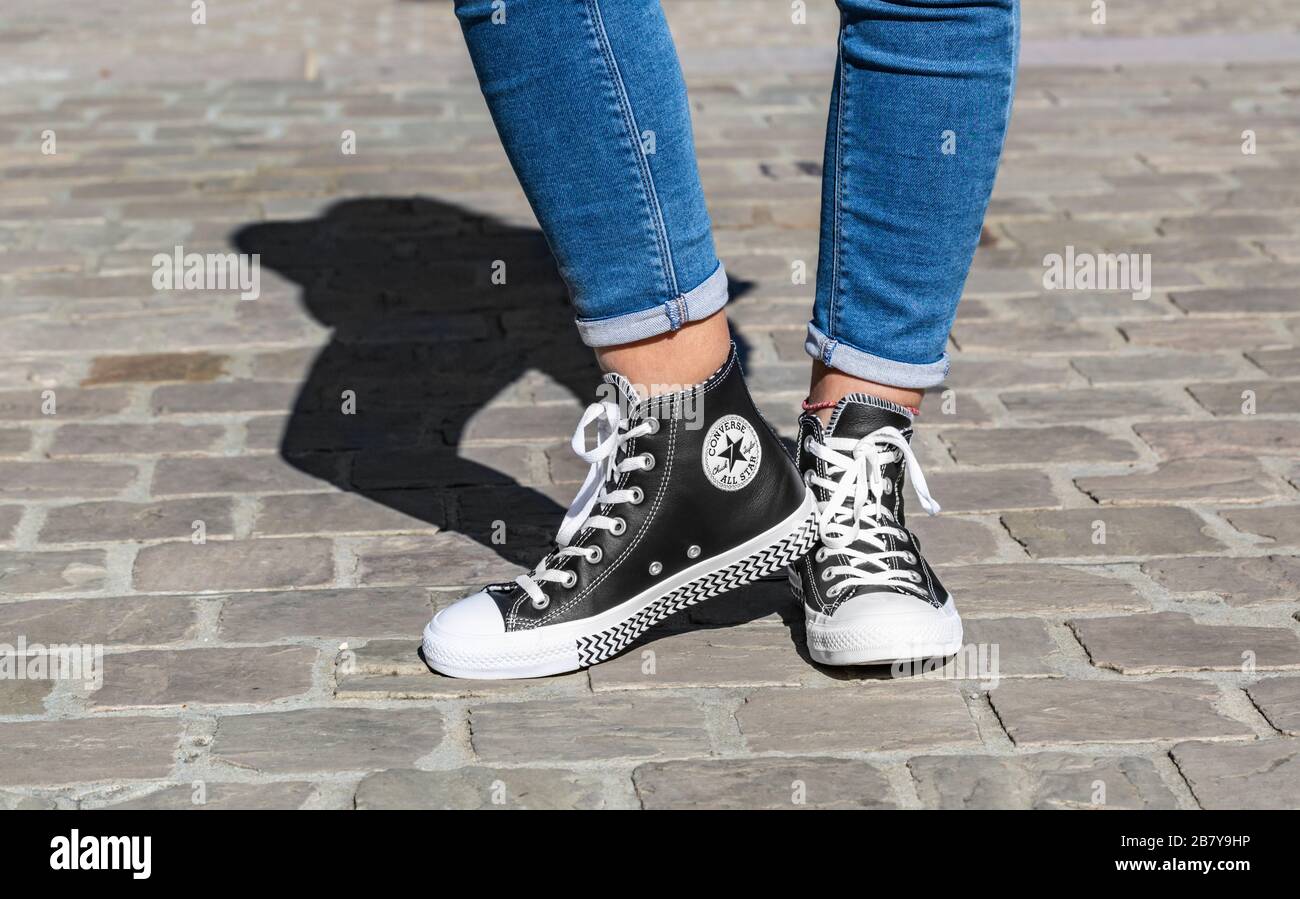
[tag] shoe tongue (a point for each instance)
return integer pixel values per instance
(858, 414)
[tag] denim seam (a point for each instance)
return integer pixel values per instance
(647, 178)
(837, 234)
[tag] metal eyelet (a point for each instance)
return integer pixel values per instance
(833, 592)
(594, 555)
(911, 559)
(648, 461)
(807, 477)
(618, 527)
(807, 444)
(540, 604)
(654, 425)
(638, 496)
(570, 579)
(692, 551)
(820, 555)
(826, 575)
(656, 568)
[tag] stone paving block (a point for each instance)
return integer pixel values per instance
(1031, 337)
(1238, 581)
(351, 614)
(1089, 404)
(1173, 641)
(1279, 524)
(216, 675)
(118, 619)
(134, 440)
(992, 491)
(234, 565)
(67, 403)
(1282, 363)
(149, 367)
(14, 441)
(438, 560)
(630, 725)
(115, 522)
(333, 513)
(1262, 775)
(1036, 589)
(34, 753)
(975, 373)
(281, 794)
(1193, 335)
(336, 739)
(1278, 699)
(1146, 367)
(9, 518)
(228, 396)
(765, 783)
(23, 573)
(954, 539)
(1038, 712)
(58, 480)
(1006, 446)
(480, 788)
(1264, 396)
(754, 655)
(23, 696)
(235, 474)
(875, 717)
(1244, 436)
(1231, 480)
(1040, 780)
(1234, 301)
(1069, 533)
(1005, 647)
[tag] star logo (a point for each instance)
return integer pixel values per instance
(731, 453)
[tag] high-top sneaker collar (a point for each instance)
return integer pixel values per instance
(858, 414)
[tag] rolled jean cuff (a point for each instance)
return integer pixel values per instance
(697, 303)
(860, 364)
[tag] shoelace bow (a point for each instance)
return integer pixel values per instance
(855, 512)
(612, 433)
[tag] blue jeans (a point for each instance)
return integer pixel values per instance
(589, 100)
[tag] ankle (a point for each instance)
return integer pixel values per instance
(829, 386)
(669, 362)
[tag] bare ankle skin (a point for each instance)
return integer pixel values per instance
(671, 361)
(830, 386)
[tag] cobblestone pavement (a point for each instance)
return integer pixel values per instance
(257, 565)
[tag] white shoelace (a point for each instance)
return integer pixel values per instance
(855, 512)
(611, 435)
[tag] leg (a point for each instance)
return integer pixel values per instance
(589, 101)
(920, 106)
(690, 493)
(918, 113)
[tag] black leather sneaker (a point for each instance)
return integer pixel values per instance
(689, 495)
(869, 596)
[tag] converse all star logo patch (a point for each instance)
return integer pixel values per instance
(732, 453)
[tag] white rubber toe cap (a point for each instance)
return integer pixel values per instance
(476, 615)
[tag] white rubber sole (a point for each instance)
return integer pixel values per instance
(927, 633)
(557, 648)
